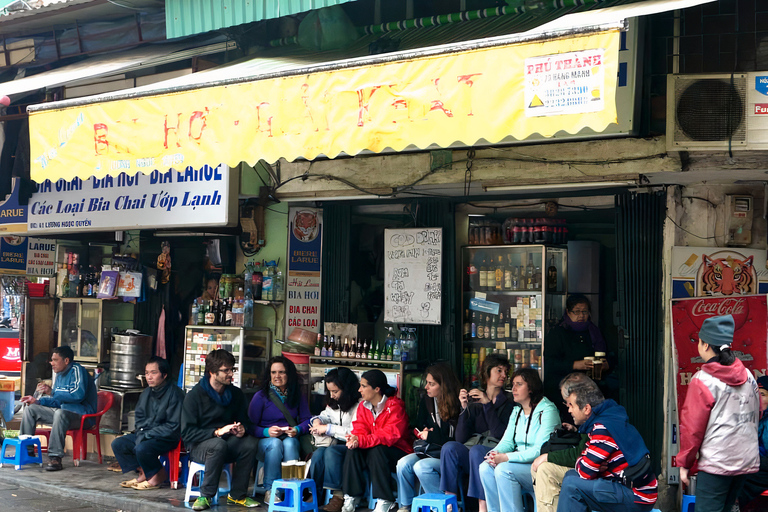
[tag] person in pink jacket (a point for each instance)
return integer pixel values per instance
(719, 421)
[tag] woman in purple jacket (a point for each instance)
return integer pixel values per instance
(280, 441)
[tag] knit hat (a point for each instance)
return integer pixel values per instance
(718, 331)
(762, 382)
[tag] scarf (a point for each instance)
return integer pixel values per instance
(598, 342)
(222, 399)
(282, 396)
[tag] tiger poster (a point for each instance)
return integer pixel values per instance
(749, 340)
(718, 272)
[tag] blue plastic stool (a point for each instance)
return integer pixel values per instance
(258, 489)
(21, 456)
(533, 499)
(293, 492)
(371, 500)
(426, 502)
(183, 468)
(689, 502)
(193, 491)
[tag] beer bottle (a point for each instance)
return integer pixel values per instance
(467, 326)
(494, 327)
(499, 275)
(336, 347)
(481, 328)
(473, 326)
(552, 275)
(319, 344)
(508, 274)
(345, 348)
(376, 353)
(483, 279)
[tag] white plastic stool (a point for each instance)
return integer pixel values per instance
(193, 491)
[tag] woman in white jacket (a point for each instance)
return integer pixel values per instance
(330, 428)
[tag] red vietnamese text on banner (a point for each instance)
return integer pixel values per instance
(750, 314)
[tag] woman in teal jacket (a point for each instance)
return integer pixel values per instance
(507, 469)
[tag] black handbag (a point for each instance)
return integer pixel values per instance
(426, 449)
(306, 443)
(561, 439)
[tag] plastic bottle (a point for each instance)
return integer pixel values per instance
(248, 277)
(257, 280)
(404, 348)
(413, 349)
(267, 283)
(248, 313)
(237, 313)
(278, 285)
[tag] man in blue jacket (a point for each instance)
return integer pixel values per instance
(73, 395)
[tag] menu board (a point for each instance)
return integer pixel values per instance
(413, 275)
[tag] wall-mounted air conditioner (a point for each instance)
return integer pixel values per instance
(707, 112)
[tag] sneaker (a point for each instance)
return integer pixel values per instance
(245, 502)
(266, 497)
(350, 503)
(54, 464)
(408, 509)
(384, 506)
(202, 503)
(335, 505)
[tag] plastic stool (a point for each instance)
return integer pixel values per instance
(21, 456)
(371, 499)
(426, 502)
(689, 502)
(293, 496)
(258, 489)
(180, 460)
(533, 499)
(193, 491)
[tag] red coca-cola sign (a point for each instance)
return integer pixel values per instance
(750, 314)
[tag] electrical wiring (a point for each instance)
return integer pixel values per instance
(691, 232)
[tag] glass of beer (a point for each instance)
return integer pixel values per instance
(288, 469)
(597, 369)
(590, 371)
(301, 469)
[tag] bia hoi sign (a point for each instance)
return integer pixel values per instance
(172, 199)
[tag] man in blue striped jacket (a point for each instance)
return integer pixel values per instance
(614, 471)
(73, 395)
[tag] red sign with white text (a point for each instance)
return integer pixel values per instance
(761, 108)
(10, 355)
(750, 315)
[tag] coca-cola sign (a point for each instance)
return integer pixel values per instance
(750, 314)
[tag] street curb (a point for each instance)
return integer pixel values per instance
(99, 498)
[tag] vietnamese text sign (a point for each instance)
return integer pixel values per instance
(413, 262)
(41, 257)
(565, 83)
(160, 200)
(463, 96)
(749, 340)
(305, 247)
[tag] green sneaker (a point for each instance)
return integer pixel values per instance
(245, 502)
(202, 503)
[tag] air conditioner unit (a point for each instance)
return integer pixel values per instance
(707, 112)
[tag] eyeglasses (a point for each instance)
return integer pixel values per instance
(228, 371)
(579, 312)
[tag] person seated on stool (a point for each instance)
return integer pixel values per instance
(72, 396)
(213, 427)
(279, 442)
(379, 438)
(330, 428)
(158, 428)
(436, 423)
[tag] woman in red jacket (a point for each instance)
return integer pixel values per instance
(379, 438)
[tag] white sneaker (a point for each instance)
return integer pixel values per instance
(266, 497)
(350, 502)
(408, 509)
(384, 505)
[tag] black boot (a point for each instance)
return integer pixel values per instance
(54, 464)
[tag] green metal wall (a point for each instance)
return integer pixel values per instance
(336, 243)
(187, 17)
(639, 247)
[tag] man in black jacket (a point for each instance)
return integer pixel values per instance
(158, 428)
(214, 418)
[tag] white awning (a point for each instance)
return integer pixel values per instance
(108, 64)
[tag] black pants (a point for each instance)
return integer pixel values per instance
(216, 452)
(755, 484)
(717, 493)
(380, 461)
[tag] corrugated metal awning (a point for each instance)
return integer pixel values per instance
(106, 65)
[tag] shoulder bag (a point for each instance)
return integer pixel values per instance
(561, 439)
(305, 440)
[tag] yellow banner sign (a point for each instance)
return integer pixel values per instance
(487, 95)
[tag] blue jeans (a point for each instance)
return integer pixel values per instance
(454, 464)
(578, 494)
(504, 485)
(274, 451)
(327, 463)
(409, 468)
(476, 457)
(145, 454)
